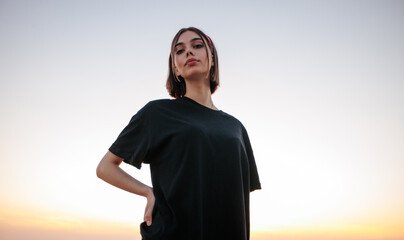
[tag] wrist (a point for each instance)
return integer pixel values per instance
(149, 193)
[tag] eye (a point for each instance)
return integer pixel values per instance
(179, 51)
(199, 45)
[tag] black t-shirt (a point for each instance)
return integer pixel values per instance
(202, 169)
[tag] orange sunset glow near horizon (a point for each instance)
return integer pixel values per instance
(317, 84)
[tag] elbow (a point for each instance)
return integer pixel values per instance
(99, 171)
(107, 164)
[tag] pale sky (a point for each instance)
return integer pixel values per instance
(318, 85)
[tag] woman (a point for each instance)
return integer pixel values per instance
(201, 162)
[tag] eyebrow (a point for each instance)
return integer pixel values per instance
(181, 43)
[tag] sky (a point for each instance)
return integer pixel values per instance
(317, 84)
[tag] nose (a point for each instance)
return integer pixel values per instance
(189, 52)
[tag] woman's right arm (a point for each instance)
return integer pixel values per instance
(108, 170)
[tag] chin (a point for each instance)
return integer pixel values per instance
(196, 75)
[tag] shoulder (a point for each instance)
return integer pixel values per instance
(160, 103)
(153, 104)
(156, 106)
(236, 124)
(233, 119)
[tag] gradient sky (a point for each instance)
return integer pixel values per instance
(318, 84)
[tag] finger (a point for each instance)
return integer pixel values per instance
(148, 219)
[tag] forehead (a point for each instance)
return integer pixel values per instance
(187, 36)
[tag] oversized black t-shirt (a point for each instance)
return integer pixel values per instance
(202, 169)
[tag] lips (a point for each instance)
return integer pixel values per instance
(191, 61)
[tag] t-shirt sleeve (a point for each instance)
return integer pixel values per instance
(254, 178)
(133, 142)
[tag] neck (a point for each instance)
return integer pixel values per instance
(199, 91)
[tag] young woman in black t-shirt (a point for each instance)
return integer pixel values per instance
(201, 160)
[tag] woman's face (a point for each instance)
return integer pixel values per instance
(190, 57)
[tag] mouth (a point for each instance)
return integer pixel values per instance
(191, 61)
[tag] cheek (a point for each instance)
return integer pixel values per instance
(176, 64)
(179, 60)
(208, 58)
